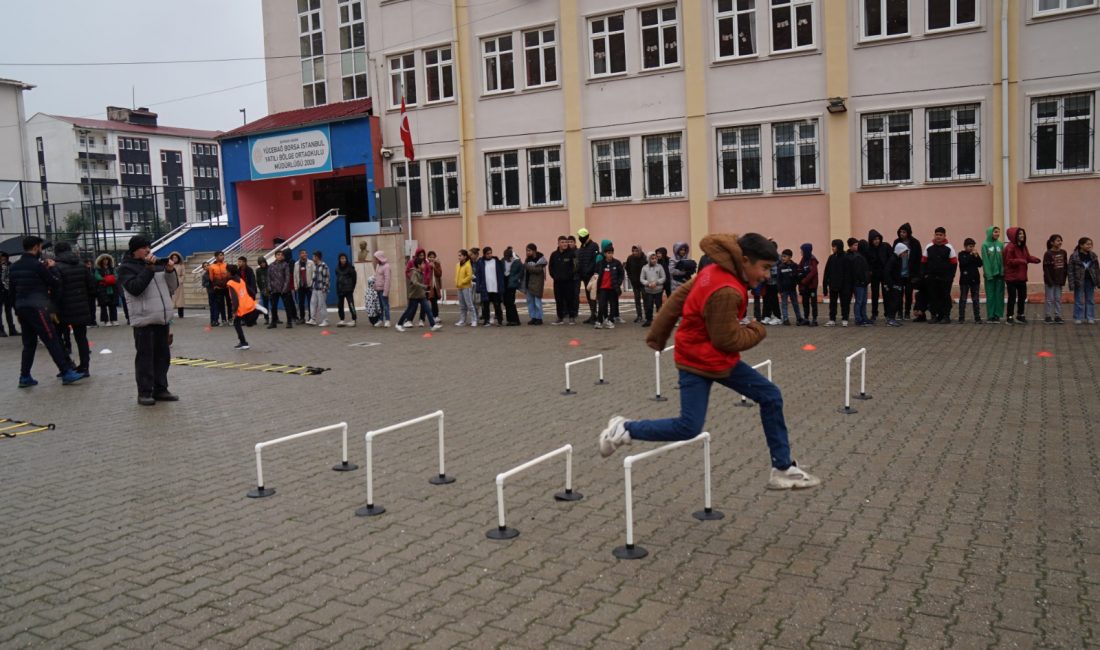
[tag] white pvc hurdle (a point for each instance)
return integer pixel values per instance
(657, 373)
(632, 552)
(371, 509)
(568, 389)
(502, 531)
(862, 354)
(344, 466)
(744, 401)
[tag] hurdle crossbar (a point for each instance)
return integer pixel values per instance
(568, 386)
(344, 466)
(632, 552)
(371, 509)
(502, 531)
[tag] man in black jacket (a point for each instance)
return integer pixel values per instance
(78, 289)
(837, 281)
(32, 280)
(938, 265)
(586, 268)
(563, 271)
(905, 236)
(877, 255)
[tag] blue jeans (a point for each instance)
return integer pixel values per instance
(792, 296)
(1083, 306)
(410, 311)
(861, 304)
(694, 396)
(534, 306)
(385, 302)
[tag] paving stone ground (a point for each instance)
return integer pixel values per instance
(959, 506)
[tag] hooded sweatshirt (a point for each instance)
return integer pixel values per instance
(633, 265)
(838, 275)
(914, 249)
(382, 274)
(993, 256)
(680, 267)
(1055, 268)
(809, 265)
(710, 327)
(586, 258)
(1017, 257)
(877, 254)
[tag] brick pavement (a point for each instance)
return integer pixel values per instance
(958, 509)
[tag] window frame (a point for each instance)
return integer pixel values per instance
(405, 166)
(353, 56)
(886, 135)
(547, 185)
(797, 142)
(1060, 136)
(541, 49)
(606, 35)
(442, 70)
(954, 130)
(739, 149)
(954, 24)
(312, 14)
(445, 179)
(1037, 12)
(884, 21)
(665, 154)
(402, 73)
(497, 56)
(612, 159)
(794, 5)
(660, 26)
(504, 170)
(734, 14)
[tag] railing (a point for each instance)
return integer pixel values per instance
(293, 239)
(250, 241)
(168, 236)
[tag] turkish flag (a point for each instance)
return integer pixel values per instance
(406, 134)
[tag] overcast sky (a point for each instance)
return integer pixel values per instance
(85, 31)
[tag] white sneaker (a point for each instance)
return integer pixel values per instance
(831, 323)
(353, 323)
(791, 478)
(473, 323)
(420, 324)
(460, 324)
(598, 325)
(242, 346)
(437, 327)
(1076, 322)
(323, 323)
(609, 325)
(844, 323)
(386, 324)
(341, 324)
(614, 436)
(1092, 321)
(311, 322)
(376, 323)
(399, 328)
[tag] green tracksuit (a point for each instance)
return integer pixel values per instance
(994, 266)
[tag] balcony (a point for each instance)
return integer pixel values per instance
(93, 155)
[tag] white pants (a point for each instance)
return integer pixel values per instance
(466, 311)
(318, 310)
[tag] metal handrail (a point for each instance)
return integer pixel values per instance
(168, 235)
(236, 247)
(302, 231)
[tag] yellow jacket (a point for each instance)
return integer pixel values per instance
(464, 275)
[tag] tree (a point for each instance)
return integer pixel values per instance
(76, 224)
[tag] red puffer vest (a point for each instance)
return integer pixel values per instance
(693, 346)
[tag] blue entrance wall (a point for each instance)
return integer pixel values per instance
(195, 240)
(331, 241)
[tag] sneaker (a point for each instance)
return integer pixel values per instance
(792, 478)
(647, 323)
(1048, 320)
(610, 325)
(786, 323)
(376, 323)
(242, 346)
(558, 322)
(27, 381)
(637, 319)
(473, 324)
(831, 323)
(1092, 321)
(272, 326)
(572, 321)
(311, 322)
(437, 327)
(844, 323)
(146, 400)
(341, 324)
(401, 328)
(421, 323)
(1021, 319)
(598, 325)
(1075, 322)
(620, 321)
(1058, 320)
(460, 323)
(812, 323)
(1009, 321)
(323, 323)
(71, 376)
(353, 323)
(386, 324)
(614, 436)
(590, 320)
(977, 320)
(165, 396)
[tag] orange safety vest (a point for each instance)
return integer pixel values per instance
(693, 346)
(246, 304)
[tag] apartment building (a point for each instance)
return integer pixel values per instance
(14, 163)
(128, 171)
(657, 122)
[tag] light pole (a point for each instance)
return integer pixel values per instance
(244, 115)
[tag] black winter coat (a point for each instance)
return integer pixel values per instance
(563, 265)
(891, 274)
(32, 282)
(877, 256)
(860, 270)
(586, 259)
(789, 275)
(838, 275)
(78, 290)
(615, 268)
(970, 265)
(346, 278)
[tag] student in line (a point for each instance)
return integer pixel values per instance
(807, 286)
(970, 279)
(1016, 258)
(1084, 277)
(1055, 270)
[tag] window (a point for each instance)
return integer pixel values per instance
(739, 160)
(612, 169)
(443, 185)
(127, 144)
(1062, 134)
(607, 45)
(544, 176)
(181, 204)
(403, 80)
(145, 145)
(953, 139)
(540, 57)
(164, 156)
(145, 169)
(353, 50)
(502, 176)
(38, 143)
(179, 158)
(312, 52)
(408, 174)
(660, 47)
(129, 168)
(951, 14)
(882, 18)
(194, 148)
(663, 174)
(214, 171)
(1043, 7)
(497, 57)
(201, 172)
(179, 180)
(439, 74)
(792, 24)
(794, 146)
(887, 148)
(736, 24)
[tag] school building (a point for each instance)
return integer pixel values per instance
(650, 123)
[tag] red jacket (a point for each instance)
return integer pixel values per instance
(693, 345)
(1017, 258)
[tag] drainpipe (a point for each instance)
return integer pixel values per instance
(1006, 208)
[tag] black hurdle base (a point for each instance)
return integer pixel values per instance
(629, 552)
